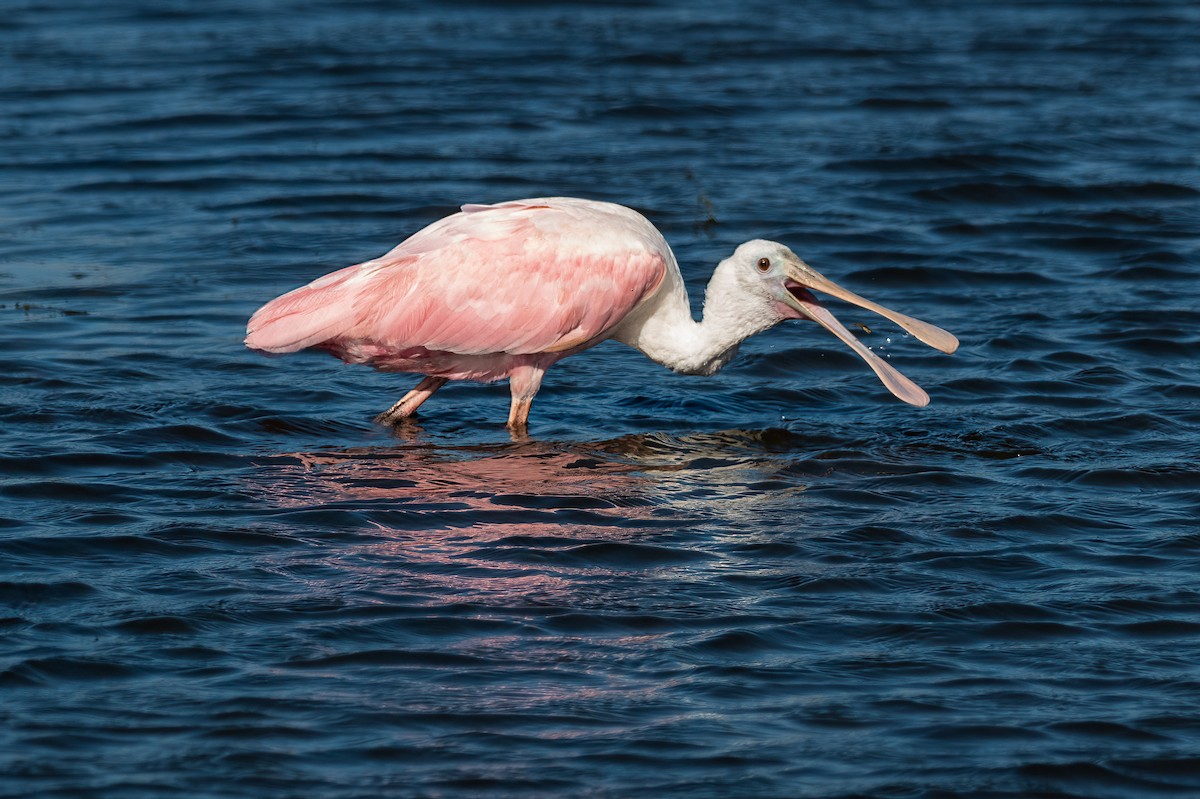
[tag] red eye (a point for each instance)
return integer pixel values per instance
(764, 264)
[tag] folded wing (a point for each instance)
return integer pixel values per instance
(523, 277)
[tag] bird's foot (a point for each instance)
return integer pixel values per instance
(391, 418)
(519, 433)
(406, 408)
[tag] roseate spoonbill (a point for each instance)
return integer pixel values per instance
(507, 290)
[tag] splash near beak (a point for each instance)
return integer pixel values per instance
(801, 277)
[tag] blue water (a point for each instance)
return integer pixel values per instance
(219, 578)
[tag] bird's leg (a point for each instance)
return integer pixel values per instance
(409, 403)
(524, 381)
(518, 414)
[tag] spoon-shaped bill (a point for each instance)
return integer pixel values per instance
(932, 335)
(898, 384)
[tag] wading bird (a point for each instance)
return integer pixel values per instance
(507, 290)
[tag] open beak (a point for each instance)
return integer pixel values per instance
(801, 277)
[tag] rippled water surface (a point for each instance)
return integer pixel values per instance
(219, 578)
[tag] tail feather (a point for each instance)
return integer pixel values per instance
(305, 316)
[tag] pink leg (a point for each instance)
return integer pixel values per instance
(524, 382)
(409, 403)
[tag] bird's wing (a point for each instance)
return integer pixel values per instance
(524, 277)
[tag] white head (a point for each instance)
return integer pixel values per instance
(764, 283)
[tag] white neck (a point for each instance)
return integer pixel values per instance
(663, 328)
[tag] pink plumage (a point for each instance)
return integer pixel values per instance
(489, 280)
(504, 291)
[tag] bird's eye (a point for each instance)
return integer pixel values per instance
(764, 264)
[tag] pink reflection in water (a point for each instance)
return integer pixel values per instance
(536, 476)
(512, 524)
(533, 521)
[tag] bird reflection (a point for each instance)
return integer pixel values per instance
(633, 471)
(525, 522)
(525, 474)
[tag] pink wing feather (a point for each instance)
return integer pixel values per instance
(525, 277)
